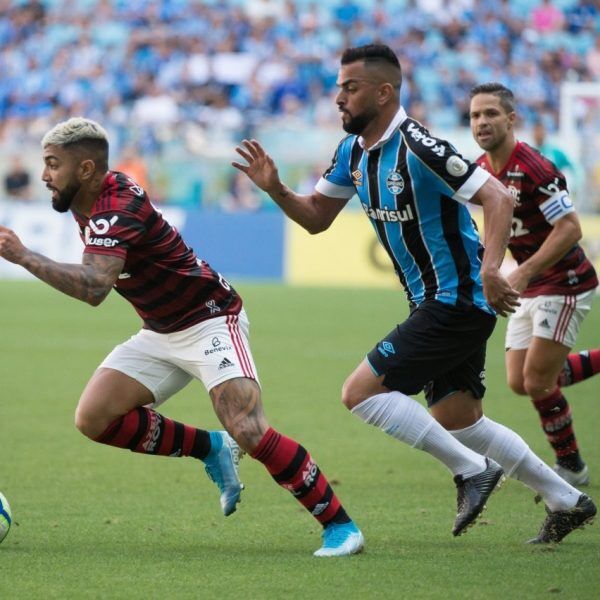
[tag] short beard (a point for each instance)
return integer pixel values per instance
(356, 125)
(493, 145)
(63, 202)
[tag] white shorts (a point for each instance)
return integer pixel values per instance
(556, 318)
(212, 351)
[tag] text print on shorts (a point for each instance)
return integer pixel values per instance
(165, 363)
(557, 318)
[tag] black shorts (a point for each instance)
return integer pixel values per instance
(439, 349)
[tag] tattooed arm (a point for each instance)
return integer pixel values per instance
(90, 281)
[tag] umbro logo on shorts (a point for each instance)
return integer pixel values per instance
(225, 363)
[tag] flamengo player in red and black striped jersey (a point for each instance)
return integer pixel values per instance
(556, 280)
(123, 223)
(194, 327)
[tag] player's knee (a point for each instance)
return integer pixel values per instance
(83, 424)
(537, 385)
(516, 385)
(87, 425)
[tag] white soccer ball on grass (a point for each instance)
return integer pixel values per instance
(5, 517)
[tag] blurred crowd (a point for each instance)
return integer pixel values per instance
(164, 72)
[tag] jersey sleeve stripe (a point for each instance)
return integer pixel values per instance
(333, 190)
(471, 186)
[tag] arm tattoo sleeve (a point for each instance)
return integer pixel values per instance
(90, 281)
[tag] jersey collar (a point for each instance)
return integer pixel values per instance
(399, 117)
(509, 162)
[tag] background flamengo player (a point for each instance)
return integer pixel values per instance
(195, 327)
(556, 280)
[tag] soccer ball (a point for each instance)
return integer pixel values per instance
(5, 517)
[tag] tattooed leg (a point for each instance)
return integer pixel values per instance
(238, 405)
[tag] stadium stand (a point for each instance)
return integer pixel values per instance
(172, 78)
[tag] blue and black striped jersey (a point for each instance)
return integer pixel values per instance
(414, 188)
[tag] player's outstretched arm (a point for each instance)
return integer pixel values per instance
(498, 205)
(315, 212)
(90, 281)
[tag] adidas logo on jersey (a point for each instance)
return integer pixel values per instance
(225, 363)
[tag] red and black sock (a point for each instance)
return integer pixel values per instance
(557, 422)
(579, 366)
(291, 467)
(148, 432)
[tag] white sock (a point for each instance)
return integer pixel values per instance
(408, 421)
(510, 450)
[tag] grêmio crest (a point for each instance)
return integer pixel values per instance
(395, 182)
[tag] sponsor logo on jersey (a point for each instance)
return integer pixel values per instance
(224, 364)
(551, 188)
(547, 307)
(215, 342)
(124, 275)
(218, 348)
(309, 474)
(514, 173)
(103, 242)
(136, 188)
(419, 135)
(387, 215)
(456, 166)
(100, 227)
(386, 349)
(149, 444)
(395, 182)
(319, 508)
(212, 306)
(357, 178)
(558, 424)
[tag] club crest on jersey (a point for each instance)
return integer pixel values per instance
(515, 193)
(395, 183)
(357, 178)
(456, 166)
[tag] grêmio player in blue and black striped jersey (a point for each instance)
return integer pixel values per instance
(414, 188)
(194, 327)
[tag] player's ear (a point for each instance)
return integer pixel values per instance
(87, 168)
(385, 93)
(512, 119)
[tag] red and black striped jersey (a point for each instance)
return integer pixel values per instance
(541, 198)
(168, 285)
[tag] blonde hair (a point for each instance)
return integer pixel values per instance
(73, 131)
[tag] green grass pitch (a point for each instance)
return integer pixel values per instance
(98, 522)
